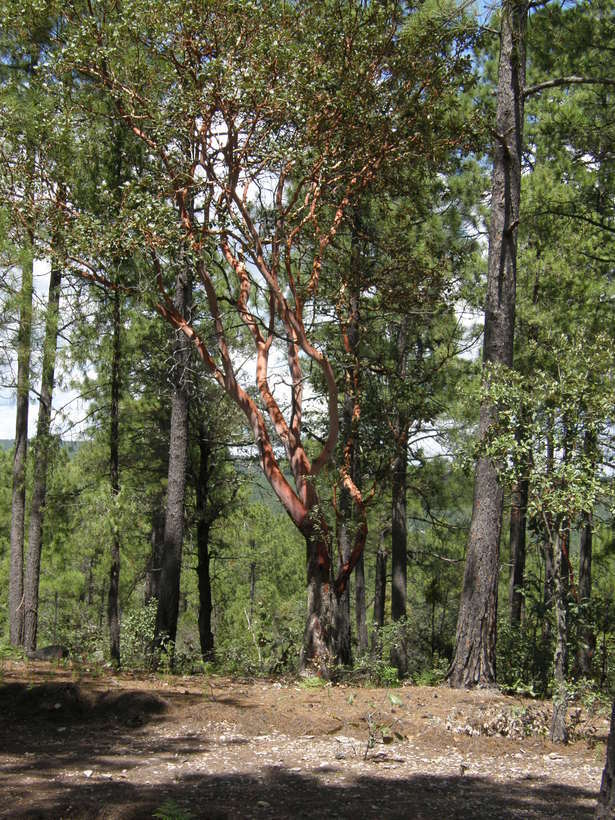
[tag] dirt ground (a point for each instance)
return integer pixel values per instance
(78, 745)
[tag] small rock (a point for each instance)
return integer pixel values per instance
(88, 773)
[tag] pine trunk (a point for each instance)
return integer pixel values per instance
(18, 503)
(587, 637)
(399, 555)
(206, 636)
(517, 550)
(168, 602)
(559, 733)
(587, 642)
(360, 607)
(152, 575)
(399, 515)
(113, 600)
(548, 593)
(474, 662)
(380, 588)
(605, 810)
(41, 461)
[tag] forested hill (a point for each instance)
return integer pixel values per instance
(71, 446)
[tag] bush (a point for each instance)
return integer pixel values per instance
(524, 659)
(137, 635)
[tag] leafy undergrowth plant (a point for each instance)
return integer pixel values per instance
(170, 810)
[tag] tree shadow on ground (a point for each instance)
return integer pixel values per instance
(70, 754)
(279, 793)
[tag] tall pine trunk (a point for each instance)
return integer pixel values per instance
(399, 523)
(203, 525)
(559, 733)
(113, 600)
(518, 519)
(399, 600)
(18, 502)
(587, 638)
(380, 587)
(152, 575)
(170, 575)
(474, 663)
(605, 810)
(41, 461)
(360, 604)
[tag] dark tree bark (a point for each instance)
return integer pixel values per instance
(559, 733)
(319, 646)
(41, 461)
(152, 575)
(18, 503)
(474, 663)
(548, 594)
(113, 600)
(206, 636)
(360, 604)
(399, 538)
(350, 458)
(399, 523)
(587, 637)
(399, 552)
(549, 587)
(518, 518)
(343, 630)
(168, 601)
(380, 588)
(605, 810)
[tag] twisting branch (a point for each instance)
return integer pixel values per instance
(562, 81)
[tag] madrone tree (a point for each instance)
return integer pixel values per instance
(264, 124)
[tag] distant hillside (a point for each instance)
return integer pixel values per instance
(71, 446)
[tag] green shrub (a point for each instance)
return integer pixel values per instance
(137, 635)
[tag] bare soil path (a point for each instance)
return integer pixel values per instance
(76, 745)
